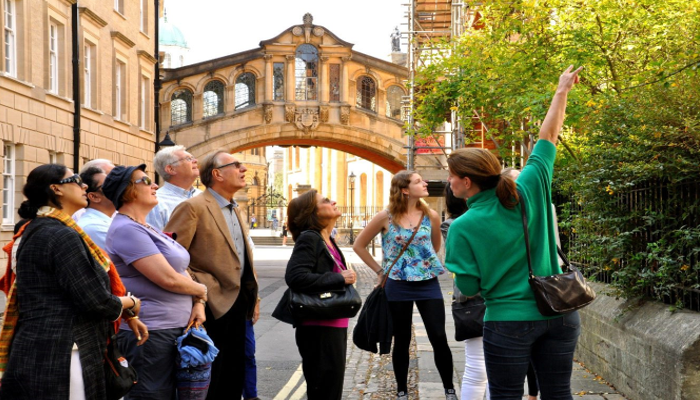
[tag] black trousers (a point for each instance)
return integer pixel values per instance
(323, 352)
(433, 314)
(228, 368)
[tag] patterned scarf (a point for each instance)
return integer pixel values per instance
(12, 310)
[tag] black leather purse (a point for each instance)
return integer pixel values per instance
(561, 293)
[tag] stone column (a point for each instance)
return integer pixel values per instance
(268, 77)
(344, 95)
(323, 79)
(291, 84)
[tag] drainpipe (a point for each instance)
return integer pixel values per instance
(156, 83)
(76, 87)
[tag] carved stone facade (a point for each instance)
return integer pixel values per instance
(306, 119)
(289, 112)
(267, 111)
(344, 114)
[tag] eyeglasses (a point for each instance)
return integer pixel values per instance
(236, 164)
(146, 181)
(73, 179)
(96, 190)
(188, 159)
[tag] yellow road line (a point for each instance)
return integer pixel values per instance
(290, 385)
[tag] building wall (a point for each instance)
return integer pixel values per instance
(36, 115)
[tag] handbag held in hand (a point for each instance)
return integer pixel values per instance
(469, 318)
(120, 376)
(561, 293)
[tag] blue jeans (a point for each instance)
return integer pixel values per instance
(509, 346)
(250, 381)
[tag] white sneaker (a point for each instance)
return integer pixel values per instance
(450, 394)
(402, 396)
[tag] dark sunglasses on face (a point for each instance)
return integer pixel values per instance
(72, 179)
(236, 164)
(146, 181)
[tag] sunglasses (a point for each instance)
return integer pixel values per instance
(73, 179)
(236, 164)
(146, 181)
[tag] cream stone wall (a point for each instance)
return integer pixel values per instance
(38, 123)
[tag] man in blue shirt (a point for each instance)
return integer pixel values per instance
(98, 214)
(179, 170)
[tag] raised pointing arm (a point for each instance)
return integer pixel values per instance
(555, 116)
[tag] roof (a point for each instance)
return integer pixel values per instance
(170, 35)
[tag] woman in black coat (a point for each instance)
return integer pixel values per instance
(64, 302)
(317, 265)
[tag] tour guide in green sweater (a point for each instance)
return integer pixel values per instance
(499, 245)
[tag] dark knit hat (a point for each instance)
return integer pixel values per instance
(117, 181)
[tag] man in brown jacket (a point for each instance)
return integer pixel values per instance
(209, 227)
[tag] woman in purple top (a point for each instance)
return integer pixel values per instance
(317, 265)
(153, 267)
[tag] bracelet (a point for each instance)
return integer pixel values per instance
(200, 301)
(130, 318)
(134, 299)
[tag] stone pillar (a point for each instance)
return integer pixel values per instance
(268, 77)
(323, 78)
(291, 84)
(344, 95)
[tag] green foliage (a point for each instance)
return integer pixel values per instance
(633, 123)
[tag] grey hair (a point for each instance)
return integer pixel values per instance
(96, 163)
(165, 157)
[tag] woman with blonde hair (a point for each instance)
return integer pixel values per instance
(493, 260)
(413, 277)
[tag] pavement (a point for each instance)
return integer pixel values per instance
(370, 376)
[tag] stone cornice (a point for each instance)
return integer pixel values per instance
(147, 56)
(122, 38)
(92, 16)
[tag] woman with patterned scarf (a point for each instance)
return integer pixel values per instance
(64, 299)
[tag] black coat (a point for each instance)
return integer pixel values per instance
(309, 270)
(63, 297)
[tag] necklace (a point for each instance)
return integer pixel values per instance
(132, 218)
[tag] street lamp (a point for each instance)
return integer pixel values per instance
(351, 180)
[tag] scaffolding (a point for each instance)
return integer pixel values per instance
(431, 23)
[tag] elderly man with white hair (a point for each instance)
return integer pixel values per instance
(179, 170)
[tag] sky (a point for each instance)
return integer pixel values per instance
(216, 28)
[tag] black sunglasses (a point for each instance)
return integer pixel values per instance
(72, 179)
(236, 164)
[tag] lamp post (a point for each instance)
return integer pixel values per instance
(351, 180)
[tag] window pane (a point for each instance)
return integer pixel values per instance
(334, 82)
(366, 93)
(181, 107)
(306, 72)
(393, 102)
(278, 80)
(213, 98)
(245, 90)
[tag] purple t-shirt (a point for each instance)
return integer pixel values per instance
(128, 241)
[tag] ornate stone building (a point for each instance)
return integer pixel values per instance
(43, 118)
(305, 87)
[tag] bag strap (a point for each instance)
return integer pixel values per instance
(527, 235)
(527, 240)
(415, 230)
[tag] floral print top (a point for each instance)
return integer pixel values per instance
(419, 262)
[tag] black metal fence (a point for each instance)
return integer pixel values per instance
(637, 222)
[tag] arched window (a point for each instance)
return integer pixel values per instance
(181, 107)
(393, 101)
(366, 93)
(256, 181)
(306, 72)
(213, 99)
(245, 90)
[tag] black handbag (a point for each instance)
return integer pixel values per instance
(374, 324)
(469, 318)
(560, 293)
(330, 304)
(120, 376)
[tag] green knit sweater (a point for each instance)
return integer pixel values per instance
(486, 246)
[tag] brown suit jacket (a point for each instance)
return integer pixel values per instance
(201, 229)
